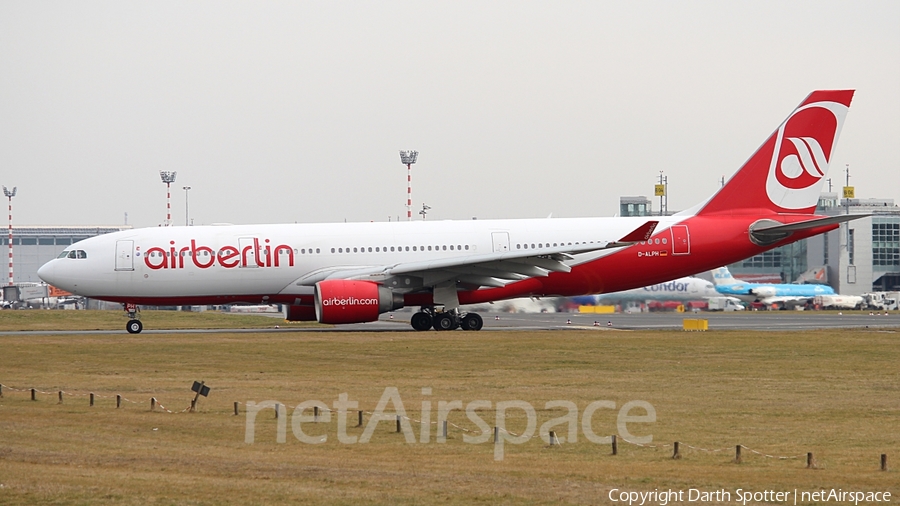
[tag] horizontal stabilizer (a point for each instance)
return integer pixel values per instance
(769, 231)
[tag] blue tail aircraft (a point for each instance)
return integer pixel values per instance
(773, 295)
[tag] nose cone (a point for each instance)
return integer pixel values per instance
(46, 272)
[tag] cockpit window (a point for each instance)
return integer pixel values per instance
(64, 254)
(81, 254)
(73, 254)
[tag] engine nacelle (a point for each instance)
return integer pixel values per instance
(763, 291)
(347, 301)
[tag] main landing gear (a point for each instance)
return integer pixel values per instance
(427, 318)
(134, 325)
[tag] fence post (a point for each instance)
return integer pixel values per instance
(615, 445)
(1, 389)
(315, 414)
(884, 461)
(277, 409)
(398, 424)
(60, 397)
(92, 399)
(235, 408)
(118, 401)
(359, 415)
(32, 395)
(810, 461)
(445, 429)
(737, 454)
(496, 435)
(553, 439)
(152, 403)
(677, 453)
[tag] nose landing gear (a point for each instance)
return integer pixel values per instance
(133, 312)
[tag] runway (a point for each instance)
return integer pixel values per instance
(764, 320)
(399, 322)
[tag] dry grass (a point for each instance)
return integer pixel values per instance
(834, 393)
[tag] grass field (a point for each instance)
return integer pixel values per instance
(833, 393)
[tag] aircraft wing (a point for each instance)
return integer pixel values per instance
(493, 269)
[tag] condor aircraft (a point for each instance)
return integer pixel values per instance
(351, 272)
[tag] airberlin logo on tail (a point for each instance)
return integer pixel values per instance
(803, 146)
(252, 254)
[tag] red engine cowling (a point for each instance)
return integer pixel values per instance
(346, 301)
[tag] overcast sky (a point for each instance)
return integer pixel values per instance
(295, 111)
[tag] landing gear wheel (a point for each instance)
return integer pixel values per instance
(134, 327)
(445, 321)
(421, 321)
(472, 321)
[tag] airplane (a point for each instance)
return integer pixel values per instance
(773, 295)
(351, 272)
(684, 289)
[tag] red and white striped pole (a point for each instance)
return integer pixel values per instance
(9, 195)
(10, 244)
(408, 192)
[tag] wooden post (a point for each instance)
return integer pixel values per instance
(737, 454)
(615, 445)
(1, 389)
(810, 461)
(496, 435)
(196, 396)
(553, 440)
(152, 403)
(60, 397)
(884, 461)
(277, 409)
(398, 424)
(316, 414)
(235, 408)
(445, 429)
(118, 401)
(677, 454)
(32, 395)
(92, 399)
(359, 415)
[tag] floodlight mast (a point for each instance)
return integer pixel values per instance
(9, 195)
(408, 158)
(168, 177)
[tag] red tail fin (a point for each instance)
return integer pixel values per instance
(786, 173)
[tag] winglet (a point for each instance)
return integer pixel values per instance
(639, 234)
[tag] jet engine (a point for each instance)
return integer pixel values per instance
(348, 301)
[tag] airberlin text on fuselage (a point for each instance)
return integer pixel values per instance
(203, 257)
